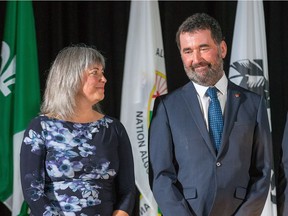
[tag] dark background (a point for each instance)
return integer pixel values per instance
(104, 24)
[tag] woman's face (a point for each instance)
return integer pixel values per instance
(93, 84)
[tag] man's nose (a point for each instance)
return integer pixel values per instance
(196, 57)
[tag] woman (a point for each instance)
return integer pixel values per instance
(74, 159)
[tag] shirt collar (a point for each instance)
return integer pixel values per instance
(221, 85)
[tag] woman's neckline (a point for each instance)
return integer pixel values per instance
(88, 121)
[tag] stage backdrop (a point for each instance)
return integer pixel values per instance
(104, 24)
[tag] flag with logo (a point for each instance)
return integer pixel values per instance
(249, 65)
(19, 97)
(144, 80)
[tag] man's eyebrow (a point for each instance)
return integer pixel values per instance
(204, 45)
(200, 46)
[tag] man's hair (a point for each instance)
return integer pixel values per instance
(65, 79)
(200, 21)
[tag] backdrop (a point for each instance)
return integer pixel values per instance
(104, 24)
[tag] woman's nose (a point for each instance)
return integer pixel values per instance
(103, 79)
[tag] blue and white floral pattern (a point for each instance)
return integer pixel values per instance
(71, 163)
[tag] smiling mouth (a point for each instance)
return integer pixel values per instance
(201, 69)
(201, 65)
(100, 87)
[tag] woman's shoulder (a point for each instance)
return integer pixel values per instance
(37, 119)
(114, 122)
(35, 123)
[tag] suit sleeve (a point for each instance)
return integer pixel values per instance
(163, 169)
(260, 168)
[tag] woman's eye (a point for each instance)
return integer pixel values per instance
(94, 73)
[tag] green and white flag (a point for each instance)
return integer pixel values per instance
(144, 80)
(249, 65)
(19, 96)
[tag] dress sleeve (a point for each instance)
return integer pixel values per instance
(125, 181)
(32, 166)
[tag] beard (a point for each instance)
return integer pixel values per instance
(208, 76)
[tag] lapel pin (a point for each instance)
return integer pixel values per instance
(237, 95)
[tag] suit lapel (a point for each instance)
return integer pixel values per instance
(234, 97)
(190, 97)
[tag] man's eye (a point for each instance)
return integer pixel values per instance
(187, 51)
(204, 48)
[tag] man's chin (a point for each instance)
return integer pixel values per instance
(201, 80)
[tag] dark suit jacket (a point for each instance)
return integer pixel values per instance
(186, 175)
(282, 191)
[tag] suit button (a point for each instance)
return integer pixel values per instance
(218, 164)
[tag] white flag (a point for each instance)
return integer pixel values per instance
(144, 80)
(249, 65)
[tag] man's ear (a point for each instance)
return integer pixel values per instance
(223, 47)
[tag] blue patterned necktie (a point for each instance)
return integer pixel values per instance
(215, 118)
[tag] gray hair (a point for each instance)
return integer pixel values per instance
(65, 79)
(200, 21)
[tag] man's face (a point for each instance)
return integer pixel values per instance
(202, 57)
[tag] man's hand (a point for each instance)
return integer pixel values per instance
(119, 213)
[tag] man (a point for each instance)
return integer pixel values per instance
(282, 191)
(191, 173)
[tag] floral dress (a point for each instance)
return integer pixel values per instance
(73, 169)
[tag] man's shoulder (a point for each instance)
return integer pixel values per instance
(234, 87)
(174, 94)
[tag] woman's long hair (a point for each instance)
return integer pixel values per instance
(65, 79)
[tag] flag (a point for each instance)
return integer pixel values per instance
(144, 80)
(249, 66)
(19, 96)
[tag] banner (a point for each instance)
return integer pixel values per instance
(144, 80)
(249, 65)
(19, 97)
